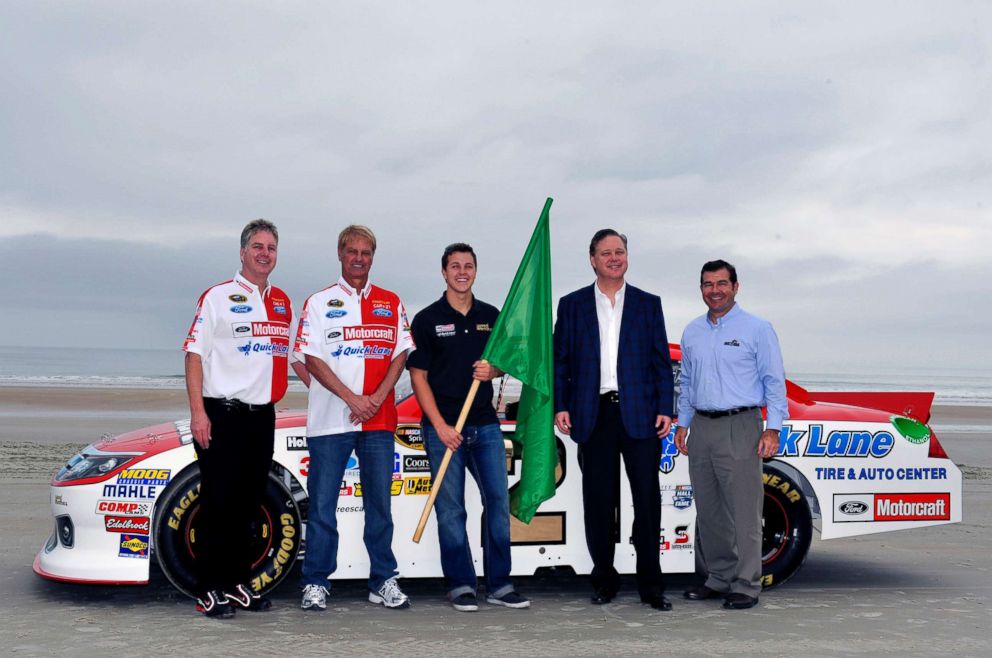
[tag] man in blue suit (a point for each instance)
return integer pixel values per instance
(614, 396)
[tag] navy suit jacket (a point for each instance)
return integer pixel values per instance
(644, 367)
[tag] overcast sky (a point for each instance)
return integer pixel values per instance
(837, 153)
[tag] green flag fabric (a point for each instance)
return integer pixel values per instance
(520, 345)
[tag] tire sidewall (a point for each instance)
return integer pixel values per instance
(784, 501)
(175, 517)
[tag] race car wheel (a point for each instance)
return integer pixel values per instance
(787, 529)
(275, 543)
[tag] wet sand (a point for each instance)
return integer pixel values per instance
(919, 592)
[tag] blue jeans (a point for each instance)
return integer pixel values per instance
(328, 459)
(482, 452)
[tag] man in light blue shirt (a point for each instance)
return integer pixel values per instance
(731, 367)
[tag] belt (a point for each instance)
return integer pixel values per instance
(237, 405)
(726, 412)
(612, 397)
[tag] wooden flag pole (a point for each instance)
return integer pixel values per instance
(426, 514)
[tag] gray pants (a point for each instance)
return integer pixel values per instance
(725, 470)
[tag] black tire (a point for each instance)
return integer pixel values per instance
(787, 529)
(276, 539)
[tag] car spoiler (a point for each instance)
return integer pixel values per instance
(914, 404)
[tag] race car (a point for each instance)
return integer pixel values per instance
(848, 464)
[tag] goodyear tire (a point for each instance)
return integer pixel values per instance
(276, 540)
(787, 529)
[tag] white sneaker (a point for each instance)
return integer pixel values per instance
(314, 597)
(390, 595)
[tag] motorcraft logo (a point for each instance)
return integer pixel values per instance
(370, 332)
(123, 507)
(913, 507)
(140, 524)
(270, 329)
(883, 507)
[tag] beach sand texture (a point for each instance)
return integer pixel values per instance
(919, 592)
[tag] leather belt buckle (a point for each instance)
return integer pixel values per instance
(723, 413)
(612, 397)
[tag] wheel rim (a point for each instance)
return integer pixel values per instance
(776, 531)
(261, 541)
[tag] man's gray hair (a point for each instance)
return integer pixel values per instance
(256, 225)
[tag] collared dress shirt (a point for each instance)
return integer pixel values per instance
(609, 315)
(733, 363)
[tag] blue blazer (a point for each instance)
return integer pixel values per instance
(644, 367)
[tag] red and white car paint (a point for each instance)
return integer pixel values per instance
(849, 464)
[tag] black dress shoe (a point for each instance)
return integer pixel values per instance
(737, 601)
(601, 596)
(701, 593)
(658, 602)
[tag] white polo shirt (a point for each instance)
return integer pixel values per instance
(242, 336)
(357, 334)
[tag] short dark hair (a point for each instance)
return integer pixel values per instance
(457, 247)
(256, 225)
(716, 266)
(600, 235)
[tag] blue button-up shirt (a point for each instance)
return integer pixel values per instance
(733, 363)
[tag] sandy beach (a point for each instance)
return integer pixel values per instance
(918, 592)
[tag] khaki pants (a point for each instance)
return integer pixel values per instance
(725, 471)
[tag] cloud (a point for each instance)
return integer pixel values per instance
(825, 150)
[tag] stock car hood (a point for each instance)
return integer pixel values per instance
(149, 440)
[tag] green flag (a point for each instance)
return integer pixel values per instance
(520, 345)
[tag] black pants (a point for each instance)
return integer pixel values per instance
(600, 460)
(234, 471)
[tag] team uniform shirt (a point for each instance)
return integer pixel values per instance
(734, 363)
(448, 343)
(242, 335)
(357, 333)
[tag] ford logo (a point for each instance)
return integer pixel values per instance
(383, 312)
(242, 328)
(335, 314)
(241, 308)
(853, 507)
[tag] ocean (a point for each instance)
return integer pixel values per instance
(151, 368)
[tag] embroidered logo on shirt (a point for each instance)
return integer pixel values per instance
(733, 343)
(335, 314)
(444, 329)
(382, 312)
(238, 299)
(483, 327)
(335, 303)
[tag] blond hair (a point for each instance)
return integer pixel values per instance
(356, 231)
